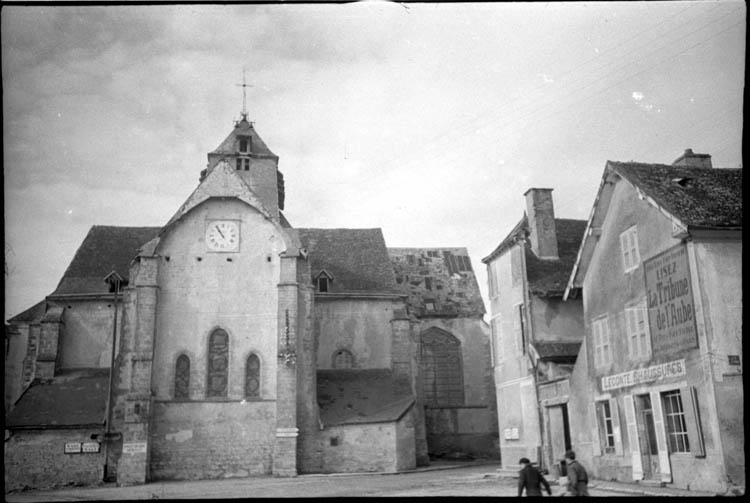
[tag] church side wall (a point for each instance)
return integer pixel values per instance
(360, 448)
(86, 334)
(208, 440)
(36, 458)
(361, 326)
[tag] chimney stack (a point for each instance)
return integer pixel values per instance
(691, 160)
(541, 216)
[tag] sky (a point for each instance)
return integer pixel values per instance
(429, 121)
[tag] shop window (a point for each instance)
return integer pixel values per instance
(674, 415)
(252, 377)
(218, 364)
(606, 426)
(182, 377)
(636, 322)
(343, 359)
(602, 344)
(629, 247)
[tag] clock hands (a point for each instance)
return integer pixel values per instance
(221, 233)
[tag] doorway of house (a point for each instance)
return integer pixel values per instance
(559, 436)
(647, 437)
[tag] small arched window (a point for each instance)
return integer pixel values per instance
(218, 363)
(252, 377)
(182, 377)
(343, 359)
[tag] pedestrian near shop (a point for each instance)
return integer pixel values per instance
(578, 479)
(530, 478)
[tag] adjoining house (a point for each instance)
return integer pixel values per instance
(657, 391)
(535, 335)
(227, 343)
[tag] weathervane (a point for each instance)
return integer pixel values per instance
(244, 86)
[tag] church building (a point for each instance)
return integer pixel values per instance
(228, 343)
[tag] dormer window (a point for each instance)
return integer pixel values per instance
(244, 145)
(322, 281)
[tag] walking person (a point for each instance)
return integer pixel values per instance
(531, 478)
(578, 479)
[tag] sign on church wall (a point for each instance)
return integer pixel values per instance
(671, 313)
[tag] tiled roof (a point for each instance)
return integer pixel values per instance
(31, 314)
(547, 277)
(361, 396)
(356, 258)
(243, 127)
(550, 277)
(699, 197)
(73, 398)
(561, 352)
(105, 248)
(438, 281)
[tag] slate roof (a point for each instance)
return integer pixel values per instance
(561, 352)
(31, 314)
(356, 258)
(243, 127)
(704, 198)
(73, 398)
(443, 277)
(105, 248)
(547, 277)
(351, 396)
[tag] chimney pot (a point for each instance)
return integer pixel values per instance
(692, 160)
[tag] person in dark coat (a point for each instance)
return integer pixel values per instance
(578, 479)
(531, 478)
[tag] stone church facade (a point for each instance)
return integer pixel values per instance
(241, 345)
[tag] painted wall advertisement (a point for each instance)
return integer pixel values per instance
(671, 314)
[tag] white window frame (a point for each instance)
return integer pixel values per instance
(601, 339)
(631, 258)
(637, 330)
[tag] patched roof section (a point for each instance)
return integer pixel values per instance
(243, 128)
(33, 313)
(550, 277)
(356, 258)
(73, 398)
(561, 352)
(351, 396)
(439, 282)
(104, 249)
(699, 197)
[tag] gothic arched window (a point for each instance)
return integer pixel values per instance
(343, 359)
(218, 363)
(252, 376)
(442, 368)
(182, 377)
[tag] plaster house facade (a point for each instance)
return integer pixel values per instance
(657, 389)
(238, 344)
(535, 335)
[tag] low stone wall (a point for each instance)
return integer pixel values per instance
(210, 440)
(461, 430)
(36, 459)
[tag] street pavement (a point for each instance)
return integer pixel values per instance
(441, 478)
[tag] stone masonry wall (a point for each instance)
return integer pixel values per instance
(359, 448)
(36, 458)
(210, 440)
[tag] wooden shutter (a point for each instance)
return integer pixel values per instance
(693, 421)
(616, 425)
(635, 446)
(600, 435)
(661, 437)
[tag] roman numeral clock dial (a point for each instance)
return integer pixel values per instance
(223, 235)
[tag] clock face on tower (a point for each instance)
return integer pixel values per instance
(223, 235)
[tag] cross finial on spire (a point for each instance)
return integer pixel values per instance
(244, 86)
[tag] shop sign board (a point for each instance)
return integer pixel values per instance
(647, 375)
(671, 312)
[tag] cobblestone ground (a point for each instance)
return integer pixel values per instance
(466, 480)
